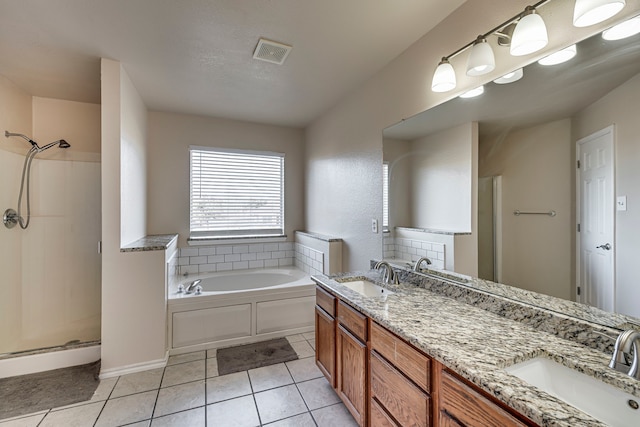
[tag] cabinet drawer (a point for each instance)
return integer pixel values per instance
(408, 360)
(379, 417)
(470, 408)
(402, 399)
(353, 321)
(325, 300)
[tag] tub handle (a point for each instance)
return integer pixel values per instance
(198, 290)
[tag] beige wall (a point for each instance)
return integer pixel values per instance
(133, 283)
(620, 107)
(344, 146)
(170, 136)
(442, 177)
(536, 169)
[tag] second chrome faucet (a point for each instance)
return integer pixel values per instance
(389, 276)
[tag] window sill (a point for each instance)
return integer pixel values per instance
(212, 241)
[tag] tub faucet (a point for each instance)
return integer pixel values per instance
(389, 277)
(192, 287)
(626, 341)
(416, 267)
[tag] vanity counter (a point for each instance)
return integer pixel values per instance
(476, 343)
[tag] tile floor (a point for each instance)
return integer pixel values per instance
(189, 392)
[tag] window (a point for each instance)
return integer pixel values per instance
(236, 193)
(385, 196)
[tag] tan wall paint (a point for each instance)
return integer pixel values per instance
(344, 146)
(620, 108)
(76, 122)
(442, 179)
(535, 165)
(170, 136)
(133, 283)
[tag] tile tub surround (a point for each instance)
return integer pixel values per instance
(478, 344)
(309, 260)
(210, 259)
(189, 392)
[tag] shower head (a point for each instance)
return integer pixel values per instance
(60, 143)
(63, 144)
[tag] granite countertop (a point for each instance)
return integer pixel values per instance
(156, 242)
(477, 336)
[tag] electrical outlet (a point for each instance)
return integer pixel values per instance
(374, 225)
(621, 203)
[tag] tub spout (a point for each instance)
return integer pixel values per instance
(192, 287)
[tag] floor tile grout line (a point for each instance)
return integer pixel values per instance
(106, 400)
(155, 403)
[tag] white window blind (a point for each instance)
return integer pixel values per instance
(385, 196)
(236, 193)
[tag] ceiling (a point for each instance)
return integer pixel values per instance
(195, 56)
(545, 93)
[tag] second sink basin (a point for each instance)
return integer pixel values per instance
(367, 288)
(598, 399)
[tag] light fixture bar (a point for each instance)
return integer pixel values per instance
(496, 29)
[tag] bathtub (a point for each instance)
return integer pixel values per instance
(239, 307)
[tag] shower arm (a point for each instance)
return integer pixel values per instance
(7, 134)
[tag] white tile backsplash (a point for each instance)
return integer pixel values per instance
(309, 260)
(411, 250)
(234, 257)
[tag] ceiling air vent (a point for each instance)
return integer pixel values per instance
(270, 51)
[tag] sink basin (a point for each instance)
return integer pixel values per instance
(367, 288)
(602, 401)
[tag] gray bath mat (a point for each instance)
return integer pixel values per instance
(25, 394)
(250, 356)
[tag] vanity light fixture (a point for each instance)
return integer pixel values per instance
(530, 34)
(473, 92)
(481, 59)
(560, 56)
(625, 29)
(590, 12)
(511, 77)
(444, 79)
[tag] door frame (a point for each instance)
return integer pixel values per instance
(578, 186)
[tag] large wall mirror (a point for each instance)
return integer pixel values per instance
(517, 146)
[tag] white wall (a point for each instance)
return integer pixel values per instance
(397, 154)
(620, 107)
(344, 146)
(170, 136)
(536, 169)
(133, 283)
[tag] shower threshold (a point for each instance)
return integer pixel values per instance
(74, 344)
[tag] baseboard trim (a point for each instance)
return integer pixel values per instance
(136, 367)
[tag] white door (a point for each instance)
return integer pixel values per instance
(596, 218)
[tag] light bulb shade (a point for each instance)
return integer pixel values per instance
(473, 92)
(511, 77)
(444, 79)
(625, 29)
(481, 59)
(590, 12)
(560, 56)
(530, 35)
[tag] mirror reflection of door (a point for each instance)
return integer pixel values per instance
(596, 218)
(489, 210)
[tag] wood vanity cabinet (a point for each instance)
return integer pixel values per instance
(351, 360)
(326, 334)
(386, 382)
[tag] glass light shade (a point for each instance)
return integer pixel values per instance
(481, 59)
(530, 35)
(511, 77)
(590, 12)
(625, 29)
(560, 56)
(473, 92)
(444, 79)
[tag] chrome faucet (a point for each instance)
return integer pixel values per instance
(193, 287)
(389, 277)
(626, 341)
(416, 267)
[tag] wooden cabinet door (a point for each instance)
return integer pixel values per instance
(351, 374)
(326, 345)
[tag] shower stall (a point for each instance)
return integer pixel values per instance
(49, 262)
